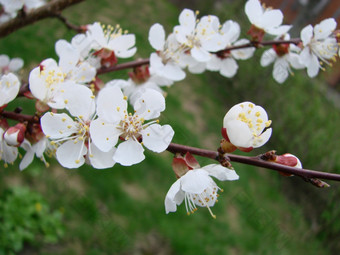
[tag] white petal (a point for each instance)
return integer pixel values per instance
(263, 138)
(268, 57)
(195, 181)
(306, 34)
(187, 20)
(231, 31)
(37, 85)
(173, 72)
(200, 54)
(100, 159)
(104, 135)
(157, 36)
(280, 70)
(294, 60)
(129, 152)
(253, 10)
(57, 125)
(313, 67)
(271, 18)
(197, 67)
(80, 101)
(111, 104)
(278, 31)
(29, 155)
(229, 67)
(149, 104)
(15, 64)
(239, 133)
(324, 29)
(83, 73)
(71, 155)
(68, 55)
(213, 43)
(127, 53)
(174, 197)
(4, 60)
(214, 64)
(221, 173)
(157, 138)
(243, 53)
(9, 88)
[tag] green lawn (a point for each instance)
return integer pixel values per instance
(121, 210)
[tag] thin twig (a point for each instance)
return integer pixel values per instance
(255, 161)
(127, 65)
(20, 117)
(51, 9)
(78, 29)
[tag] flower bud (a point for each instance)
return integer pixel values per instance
(14, 136)
(181, 165)
(288, 160)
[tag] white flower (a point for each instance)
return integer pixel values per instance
(37, 149)
(73, 136)
(10, 65)
(199, 38)
(9, 88)
(164, 63)
(284, 57)
(72, 64)
(246, 126)
(115, 122)
(224, 61)
(50, 82)
(197, 188)
(320, 45)
(7, 153)
(133, 90)
(109, 43)
(268, 20)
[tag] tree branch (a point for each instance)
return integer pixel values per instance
(51, 9)
(146, 61)
(255, 161)
(131, 64)
(20, 117)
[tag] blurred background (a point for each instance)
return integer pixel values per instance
(121, 210)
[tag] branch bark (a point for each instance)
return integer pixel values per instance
(255, 161)
(51, 9)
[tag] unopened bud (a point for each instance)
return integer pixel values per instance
(288, 160)
(181, 165)
(14, 136)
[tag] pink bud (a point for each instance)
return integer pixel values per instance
(181, 165)
(288, 160)
(14, 136)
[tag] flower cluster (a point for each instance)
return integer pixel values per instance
(80, 120)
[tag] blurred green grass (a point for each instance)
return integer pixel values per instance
(121, 211)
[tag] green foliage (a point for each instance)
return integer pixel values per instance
(26, 219)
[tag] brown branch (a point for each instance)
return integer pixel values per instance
(131, 64)
(255, 161)
(51, 9)
(146, 61)
(257, 44)
(69, 25)
(20, 117)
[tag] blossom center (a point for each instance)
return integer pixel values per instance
(131, 126)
